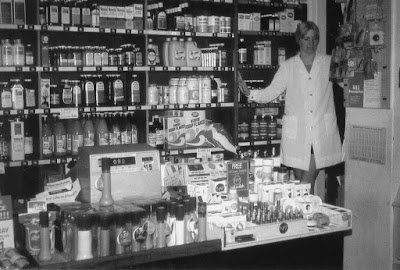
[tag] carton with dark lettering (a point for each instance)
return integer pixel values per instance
(196, 134)
(238, 174)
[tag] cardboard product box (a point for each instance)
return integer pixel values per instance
(44, 94)
(256, 21)
(112, 17)
(241, 22)
(103, 17)
(19, 12)
(174, 128)
(129, 17)
(138, 16)
(195, 124)
(6, 222)
(6, 12)
(120, 19)
(238, 176)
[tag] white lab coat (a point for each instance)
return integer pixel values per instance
(310, 117)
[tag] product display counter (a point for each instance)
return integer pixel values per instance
(290, 236)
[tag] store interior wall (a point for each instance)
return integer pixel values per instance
(369, 186)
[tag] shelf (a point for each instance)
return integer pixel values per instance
(187, 34)
(259, 3)
(187, 151)
(258, 143)
(130, 259)
(260, 105)
(66, 160)
(38, 162)
(260, 67)
(265, 33)
(87, 29)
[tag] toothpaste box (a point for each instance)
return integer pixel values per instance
(174, 128)
(195, 123)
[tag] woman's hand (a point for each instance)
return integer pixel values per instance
(242, 85)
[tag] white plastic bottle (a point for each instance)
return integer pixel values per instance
(173, 91)
(176, 53)
(205, 89)
(152, 95)
(193, 53)
(165, 46)
(182, 92)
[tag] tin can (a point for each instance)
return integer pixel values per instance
(202, 24)
(213, 24)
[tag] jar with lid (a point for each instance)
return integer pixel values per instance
(243, 131)
(100, 91)
(116, 89)
(104, 56)
(5, 96)
(54, 96)
(153, 96)
(134, 87)
(7, 56)
(223, 93)
(19, 53)
(77, 56)
(88, 90)
(112, 57)
(17, 91)
(97, 59)
(88, 56)
(120, 57)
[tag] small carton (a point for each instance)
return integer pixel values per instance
(112, 17)
(174, 128)
(129, 17)
(120, 19)
(44, 94)
(138, 16)
(103, 18)
(195, 123)
(256, 21)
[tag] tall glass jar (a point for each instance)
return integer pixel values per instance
(19, 53)
(7, 58)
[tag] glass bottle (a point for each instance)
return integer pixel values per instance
(5, 96)
(47, 138)
(159, 132)
(60, 138)
(102, 132)
(54, 96)
(30, 93)
(7, 56)
(28, 136)
(76, 94)
(29, 58)
(17, 91)
(77, 136)
(19, 53)
(88, 131)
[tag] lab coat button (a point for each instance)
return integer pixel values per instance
(311, 95)
(311, 111)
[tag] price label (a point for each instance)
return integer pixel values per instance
(69, 113)
(120, 68)
(128, 31)
(24, 163)
(32, 68)
(66, 28)
(203, 153)
(138, 107)
(98, 68)
(166, 106)
(81, 29)
(18, 69)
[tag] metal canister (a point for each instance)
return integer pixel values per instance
(202, 24)
(213, 24)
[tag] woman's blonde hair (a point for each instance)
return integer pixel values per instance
(303, 28)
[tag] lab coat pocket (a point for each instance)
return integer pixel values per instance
(330, 123)
(289, 127)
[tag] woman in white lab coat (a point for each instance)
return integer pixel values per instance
(310, 136)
